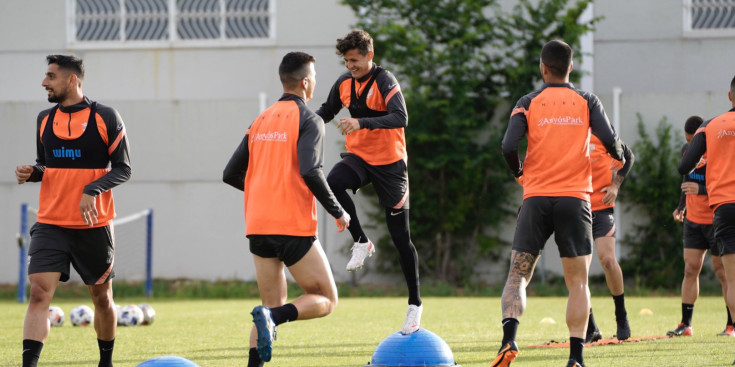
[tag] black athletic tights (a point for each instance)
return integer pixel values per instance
(343, 178)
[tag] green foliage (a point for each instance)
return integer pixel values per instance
(652, 190)
(462, 64)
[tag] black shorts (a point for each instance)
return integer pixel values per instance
(603, 223)
(90, 250)
(390, 180)
(289, 249)
(724, 223)
(569, 218)
(700, 237)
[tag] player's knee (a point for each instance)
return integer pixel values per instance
(102, 301)
(39, 295)
(335, 182)
(691, 270)
(720, 273)
(608, 262)
(101, 296)
(332, 304)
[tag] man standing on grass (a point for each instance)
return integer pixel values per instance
(699, 236)
(82, 153)
(557, 183)
(716, 139)
(607, 176)
(278, 165)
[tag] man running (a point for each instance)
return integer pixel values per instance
(81, 154)
(278, 165)
(557, 183)
(376, 153)
(607, 176)
(707, 161)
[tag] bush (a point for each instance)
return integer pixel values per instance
(652, 191)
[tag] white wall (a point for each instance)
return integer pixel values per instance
(185, 111)
(187, 108)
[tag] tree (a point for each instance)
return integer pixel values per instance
(462, 64)
(652, 188)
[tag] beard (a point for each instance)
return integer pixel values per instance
(56, 97)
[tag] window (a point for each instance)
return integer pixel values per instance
(167, 23)
(709, 18)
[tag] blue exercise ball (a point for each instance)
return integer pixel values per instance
(422, 348)
(168, 361)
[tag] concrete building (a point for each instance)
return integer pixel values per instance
(186, 101)
(189, 76)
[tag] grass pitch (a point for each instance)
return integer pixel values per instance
(215, 333)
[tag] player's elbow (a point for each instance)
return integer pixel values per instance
(403, 120)
(508, 149)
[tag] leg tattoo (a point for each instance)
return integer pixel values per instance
(514, 294)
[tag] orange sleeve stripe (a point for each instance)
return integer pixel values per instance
(518, 110)
(700, 130)
(43, 127)
(392, 92)
(115, 143)
(101, 127)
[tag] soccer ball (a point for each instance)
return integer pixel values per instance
(131, 315)
(56, 316)
(81, 316)
(149, 314)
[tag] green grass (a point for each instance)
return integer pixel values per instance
(215, 332)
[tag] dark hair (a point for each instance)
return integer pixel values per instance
(69, 63)
(557, 56)
(692, 124)
(294, 67)
(732, 87)
(357, 39)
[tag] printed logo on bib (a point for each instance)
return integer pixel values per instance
(67, 153)
(275, 136)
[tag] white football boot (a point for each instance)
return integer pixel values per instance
(413, 319)
(360, 251)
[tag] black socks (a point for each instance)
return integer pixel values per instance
(31, 352)
(510, 326)
(620, 312)
(285, 313)
(106, 352)
(576, 346)
(686, 314)
(591, 325)
(254, 359)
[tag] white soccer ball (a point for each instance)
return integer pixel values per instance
(56, 316)
(149, 314)
(131, 315)
(81, 316)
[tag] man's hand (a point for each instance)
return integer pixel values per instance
(348, 125)
(343, 222)
(611, 193)
(690, 188)
(678, 215)
(23, 173)
(88, 208)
